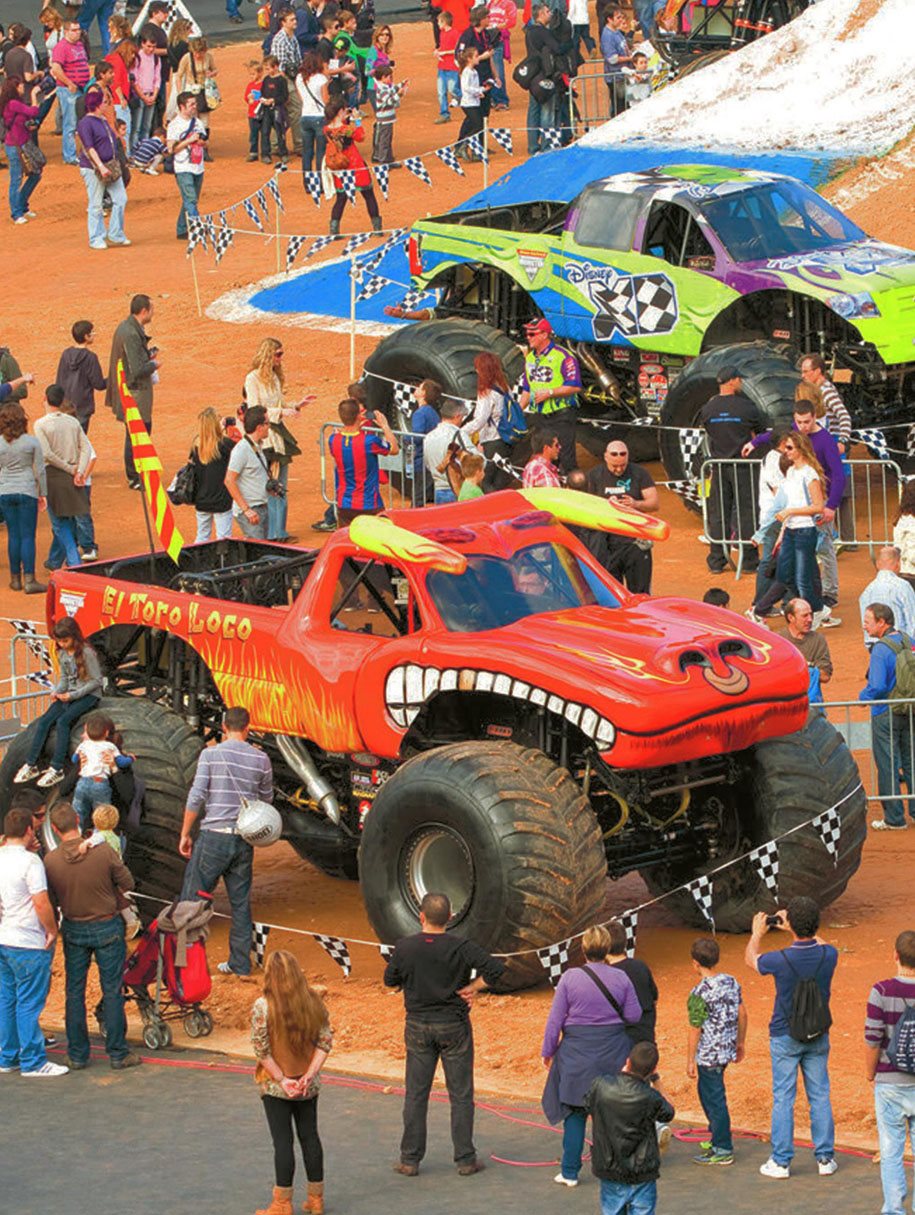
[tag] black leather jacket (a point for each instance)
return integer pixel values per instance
(624, 1110)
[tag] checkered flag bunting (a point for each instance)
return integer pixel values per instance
(629, 921)
(336, 948)
(829, 825)
(282, 167)
(321, 242)
(355, 241)
(261, 200)
(552, 137)
(687, 490)
(875, 442)
(292, 250)
(447, 157)
(347, 179)
(312, 183)
(412, 299)
(253, 214)
(374, 259)
(555, 960)
(33, 632)
(372, 284)
(41, 678)
(418, 169)
(476, 145)
(503, 137)
(910, 441)
(259, 934)
(692, 443)
(382, 174)
(403, 402)
(222, 240)
(273, 187)
(196, 233)
(701, 890)
(386, 951)
(765, 859)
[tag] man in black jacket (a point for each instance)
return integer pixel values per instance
(433, 967)
(540, 41)
(79, 373)
(131, 344)
(625, 1155)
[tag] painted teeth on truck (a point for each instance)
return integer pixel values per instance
(407, 688)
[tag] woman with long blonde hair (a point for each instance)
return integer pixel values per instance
(810, 393)
(210, 459)
(797, 544)
(292, 1037)
(264, 385)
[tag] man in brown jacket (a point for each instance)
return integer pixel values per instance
(86, 886)
(131, 344)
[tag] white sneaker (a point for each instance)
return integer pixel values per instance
(760, 620)
(21, 220)
(824, 619)
(827, 1167)
(50, 778)
(571, 1182)
(31, 215)
(26, 772)
(777, 1171)
(49, 1069)
(123, 241)
(880, 824)
(5, 1071)
(98, 246)
(665, 1135)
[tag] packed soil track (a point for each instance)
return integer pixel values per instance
(53, 279)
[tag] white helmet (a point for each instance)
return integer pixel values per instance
(259, 823)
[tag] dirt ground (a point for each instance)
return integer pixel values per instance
(53, 279)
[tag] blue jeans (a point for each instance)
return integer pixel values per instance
(443, 496)
(95, 194)
(314, 143)
(498, 94)
(21, 514)
(769, 536)
(812, 1058)
(232, 8)
(20, 190)
(540, 118)
(105, 939)
(63, 546)
(144, 123)
(573, 1143)
(646, 11)
(85, 528)
(67, 102)
(189, 187)
(207, 520)
(619, 1199)
(582, 33)
(87, 795)
(447, 82)
(891, 743)
(216, 856)
(100, 10)
(895, 1107)
(123, 113)
(62, 713)
(278, 508)
(714, 1101)
(25, 977)
(829, 566)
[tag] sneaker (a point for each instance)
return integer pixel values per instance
(89, 554)
(323, 526)
(49, 1069)
(824, 619)
(779, 1172)
(665, 1135)
(760, 620)
(21, 220)
(251, 158)
(129, 1060)
(827, 1167)
(77, 1065)
(880, 824)
(6, 1071)
(442, 118)
(49, 778)
(406, 1170)
(712, 1157)
(571, 1182)
(98, 245)
(225, 969)
(50, 1040)
(123, 241)
(26, 772)
(31, 214)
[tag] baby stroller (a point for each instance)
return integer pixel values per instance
(171, 955)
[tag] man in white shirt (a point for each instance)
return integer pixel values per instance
(437, 443)
(186, 139)
(28, 930)
(888, 587)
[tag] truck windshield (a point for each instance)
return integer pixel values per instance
(497, 591)
(777, 219)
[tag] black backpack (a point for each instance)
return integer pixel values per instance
(810, 1016)
(901, 1050)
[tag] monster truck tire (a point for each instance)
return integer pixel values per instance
(507, 834)
(698, 62)
(166, 749)
(769, 379)
(788, 781)
(594, 435)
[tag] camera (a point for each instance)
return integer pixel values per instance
(773, 921)
(275, 488)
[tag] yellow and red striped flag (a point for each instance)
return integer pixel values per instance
(149, 468)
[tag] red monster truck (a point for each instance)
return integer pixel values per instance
(462, 699)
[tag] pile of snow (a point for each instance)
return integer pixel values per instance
(838, 79)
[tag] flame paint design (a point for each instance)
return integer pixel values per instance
(587, 510)
(379, 536)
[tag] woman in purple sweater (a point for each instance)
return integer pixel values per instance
(98, 164)
(16, 114)
(585, 1037)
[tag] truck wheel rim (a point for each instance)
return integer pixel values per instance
(438, 861)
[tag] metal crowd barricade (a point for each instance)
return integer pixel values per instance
(894, 734)
(730, 507)
(399, 487)
(590, 102)
(22, 699)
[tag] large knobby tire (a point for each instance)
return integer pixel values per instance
(769, 378)
(788, 781)
(500, 829)
(437, 350)
(166, 750)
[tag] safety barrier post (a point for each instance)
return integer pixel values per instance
(352, 317)
(485, 151)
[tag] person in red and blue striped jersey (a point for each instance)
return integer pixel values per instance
(355, 454)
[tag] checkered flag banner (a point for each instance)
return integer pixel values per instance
(829, 825)
(222, 240)
(412, 298)
(33, 632)
(292, 250)
(386, 951)
(875, 442)
(692, 441)
(701, 890)
(374, 260)
(42, 678)
(555, 960)
(224, 219)
(282, 167)
(382, 174)
(196, 233)
(448, 157)
(372, 284)
(629, 921)
(765, 858)
(505, 464)
(503, 137)
(552, 137)
(347, 178)
(355, 241)
(687, 490)
(253, 214)
(418, 169)
(259, 934)
(910, 441)
(477, 147)
(312, 182)
(336, 948)
(274, 188)
(403, 402)
(321, 242)
(261, 200)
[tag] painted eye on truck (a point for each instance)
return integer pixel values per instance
(735, 647)
(693, 658)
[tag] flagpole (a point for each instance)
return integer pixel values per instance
(146, 520)
(196, 284)
(278, 265)
(485, 152)
(352, 317)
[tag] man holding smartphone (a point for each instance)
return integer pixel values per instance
(631, 487)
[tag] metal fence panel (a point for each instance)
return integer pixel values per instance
(883, 746)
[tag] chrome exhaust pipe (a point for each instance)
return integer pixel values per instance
(296, 755)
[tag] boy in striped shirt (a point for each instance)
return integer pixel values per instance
(388, 97)
(147, 153)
